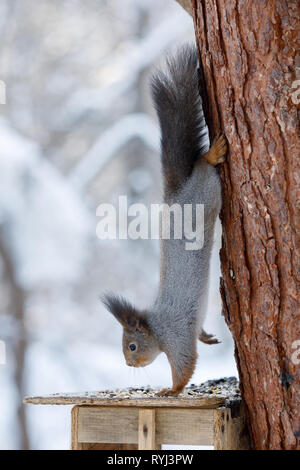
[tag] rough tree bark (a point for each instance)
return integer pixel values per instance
(248, 50)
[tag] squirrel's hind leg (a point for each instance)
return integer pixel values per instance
(217, 151)
(207, 338)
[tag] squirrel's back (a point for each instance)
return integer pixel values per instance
(184, 134)
(188, 179)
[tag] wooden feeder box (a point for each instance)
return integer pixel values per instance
(137, 419)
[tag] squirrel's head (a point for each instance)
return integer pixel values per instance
(140, 347)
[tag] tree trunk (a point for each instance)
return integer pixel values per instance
(248, 51)
(19, 346)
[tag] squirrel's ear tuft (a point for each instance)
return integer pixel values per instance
(129, 317)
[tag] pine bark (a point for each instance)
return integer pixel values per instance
(250, 63)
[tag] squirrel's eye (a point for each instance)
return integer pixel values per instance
(132, 347)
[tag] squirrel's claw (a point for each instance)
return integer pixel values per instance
(168, 392)
(211, 341)
(208, 338)
(217, 151)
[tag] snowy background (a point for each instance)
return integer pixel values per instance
(78, 129)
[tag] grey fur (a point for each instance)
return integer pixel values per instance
(175, 321)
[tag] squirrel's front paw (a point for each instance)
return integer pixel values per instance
(220, 145)
(168, 392)
(217, 151)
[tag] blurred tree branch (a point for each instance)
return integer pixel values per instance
(138, 125)
(137, 59)
(17, 295)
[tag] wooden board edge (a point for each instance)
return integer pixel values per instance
(210, 403)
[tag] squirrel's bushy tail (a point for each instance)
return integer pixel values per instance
(179, 107)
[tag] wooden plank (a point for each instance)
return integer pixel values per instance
(92, 399)
(119, 425)
(146, 433)
(108, 425)
(184, 426)
(120, 429)
(101, 446)
(75, 444)
(230, 430)
(220, 433)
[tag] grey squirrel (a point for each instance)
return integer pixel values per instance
(175, 321)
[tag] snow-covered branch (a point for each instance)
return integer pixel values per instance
(44, 222)
(141, 55)
(137, 125)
